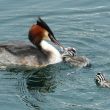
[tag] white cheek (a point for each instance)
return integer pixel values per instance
(46, 37)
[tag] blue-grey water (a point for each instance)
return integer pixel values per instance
(83, 24)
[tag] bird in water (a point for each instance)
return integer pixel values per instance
(41, 53)
(101, 81)
(69, 56)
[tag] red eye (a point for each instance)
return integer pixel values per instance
(49, 34)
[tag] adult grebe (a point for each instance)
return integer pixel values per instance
(37, 55)
(101, 81)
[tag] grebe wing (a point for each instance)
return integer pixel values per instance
(25, 54)
(24, 49)
(18, 48)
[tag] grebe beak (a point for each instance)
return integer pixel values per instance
(43, 24)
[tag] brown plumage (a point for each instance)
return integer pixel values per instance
(36, 34)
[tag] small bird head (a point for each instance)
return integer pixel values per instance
(99, 78)
(40, 31)
(69, 51)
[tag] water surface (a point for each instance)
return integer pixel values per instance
(83, 24)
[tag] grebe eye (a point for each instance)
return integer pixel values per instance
(49, 34)
(73, 50)
(98, 73)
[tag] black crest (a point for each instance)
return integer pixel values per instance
(43, 24)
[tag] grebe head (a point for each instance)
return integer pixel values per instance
(99, 79)
(69, 51)
(41, 31)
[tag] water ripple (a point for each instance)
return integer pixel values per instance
(81, 24)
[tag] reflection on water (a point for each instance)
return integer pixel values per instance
(41, 81)
(34, 84)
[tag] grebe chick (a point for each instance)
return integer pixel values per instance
(68, 51)
(39, 54)
(69, 56)
(101, 81)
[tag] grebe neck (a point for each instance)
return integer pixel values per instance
(55, 56)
